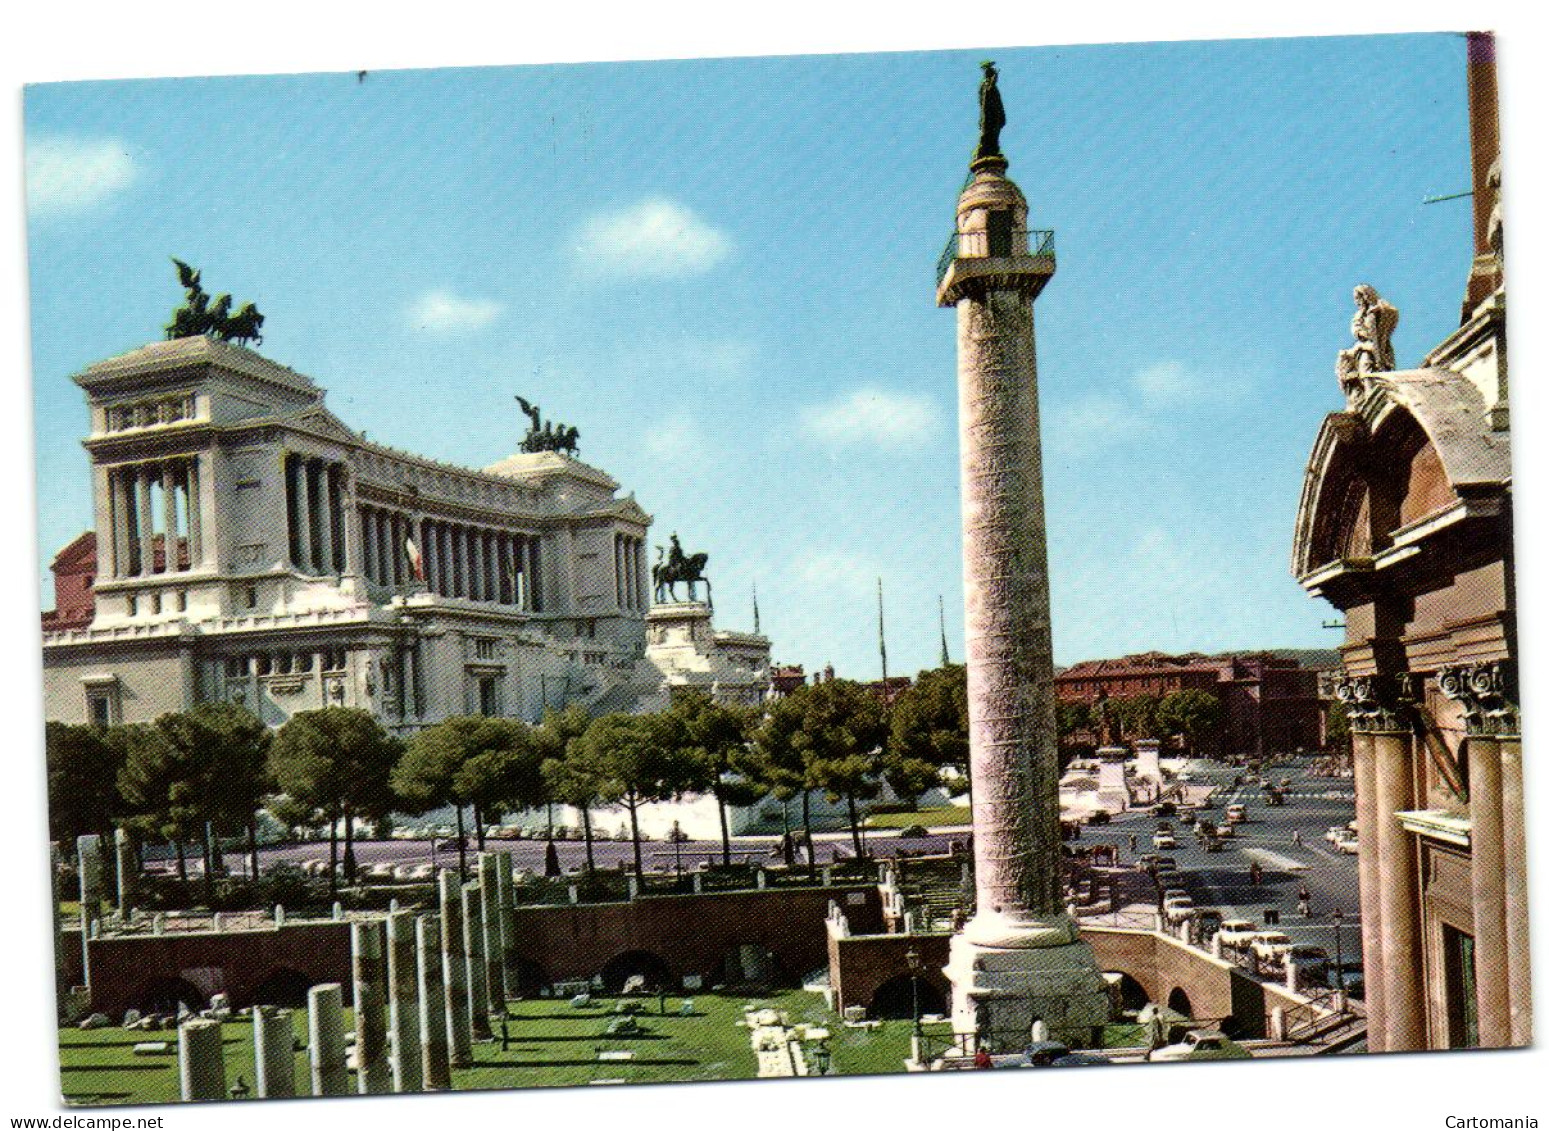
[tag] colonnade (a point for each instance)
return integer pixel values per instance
(315, 514)
(153, 506)
(629, 574)
(454, 559)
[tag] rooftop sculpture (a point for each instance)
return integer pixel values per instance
(547, 436)
(200, 316)
(1372, 326)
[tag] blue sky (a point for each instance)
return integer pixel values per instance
(722, 271)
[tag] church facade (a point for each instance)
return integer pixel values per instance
(249, 547)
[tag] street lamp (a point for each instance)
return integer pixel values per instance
(912, 956)
(677, 848)
(821, 1058)
(1339, 958)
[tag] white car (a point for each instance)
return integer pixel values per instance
(1202, 1044)
(1179, 909)
(1270, 947)
(1350, 844)
(1237, 932)
(1164, 840)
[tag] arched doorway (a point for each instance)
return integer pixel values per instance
(283, 986)
(531, 979)
(894, 998)
(1178, 1002)
(652, 967)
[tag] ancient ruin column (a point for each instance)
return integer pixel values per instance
(1020, 958)
(1403, 999)
(88, 866)
(494, 951)
(435, 1065)
(403, 1020)
(1364, 755)
(201, 1063)
(1488, 876)
(274, 1053)
(454, 963)
(474, 958)
(1514, 852)
(506, 891)
(372, 1074)
(325, 1040)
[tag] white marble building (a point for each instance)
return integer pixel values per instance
(253, 548)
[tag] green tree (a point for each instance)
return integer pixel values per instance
(776, 763)
(928, 732)
(1192, 713)
(565, 779)
(83, 796)
(636, 759)
(716, 743)
(471, 761)
(1135, 716)
(840, 739)
(164, 793)
(230, 746)
(336, 762)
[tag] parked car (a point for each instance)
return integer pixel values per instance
(1164, 840)
(1311, 961)
(1099, 817)
(1236, 814)
(1237, 932)
(1202, 1044)
(1353, 975)
(1270, 948)
(1336, 833)
(1349, 844)
(1177, 910)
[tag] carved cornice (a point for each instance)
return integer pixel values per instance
(1487, 693)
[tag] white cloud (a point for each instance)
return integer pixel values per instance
(1095, 416)
(70, 175)
(872, 416)
(675, 438)
(654, 239)
(443, 312)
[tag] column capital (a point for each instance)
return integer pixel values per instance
(1382, 703)
(1487, 693)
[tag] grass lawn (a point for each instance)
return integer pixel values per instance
(552, 1045)
(941, 817)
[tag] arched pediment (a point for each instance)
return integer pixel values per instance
(1335, 465)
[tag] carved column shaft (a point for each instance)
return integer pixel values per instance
(1364, 755)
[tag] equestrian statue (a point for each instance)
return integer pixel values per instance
(688, 569)
(200, 316)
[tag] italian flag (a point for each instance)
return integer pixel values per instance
(416, 559)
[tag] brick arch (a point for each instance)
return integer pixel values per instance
(894, 998)
(618, 969)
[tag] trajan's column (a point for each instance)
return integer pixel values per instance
(1019, 959)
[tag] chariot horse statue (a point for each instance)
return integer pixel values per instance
(688, 569)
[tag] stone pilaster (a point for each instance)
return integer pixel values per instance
(325, 1040)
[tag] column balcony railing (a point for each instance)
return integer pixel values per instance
(1025, 242)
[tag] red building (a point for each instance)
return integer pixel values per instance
(1270, 703)
(75, 572)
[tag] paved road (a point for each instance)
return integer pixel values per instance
(1221, 880)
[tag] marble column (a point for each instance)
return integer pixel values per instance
(435, 1065)
(195, 513)
(1488, 876)
(274, 1053)
(88, 867)
(368, 542)
(201, 1063)
(325, 520)
(325, 1040)
(169, 522)
(1514, 853)
(1403, 996)
(506, 898)
(127, 867)
(454, 964)
(475, 567)
(1364, 756)
(1020, 958)
(146, 524)
(474, 958)
(303, 516)
(403, 1020)
(494, 951)
(372, 1074)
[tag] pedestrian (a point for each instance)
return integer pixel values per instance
(1134, 842)
(1296, 836)
(982, 1058)
(1304, 901)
